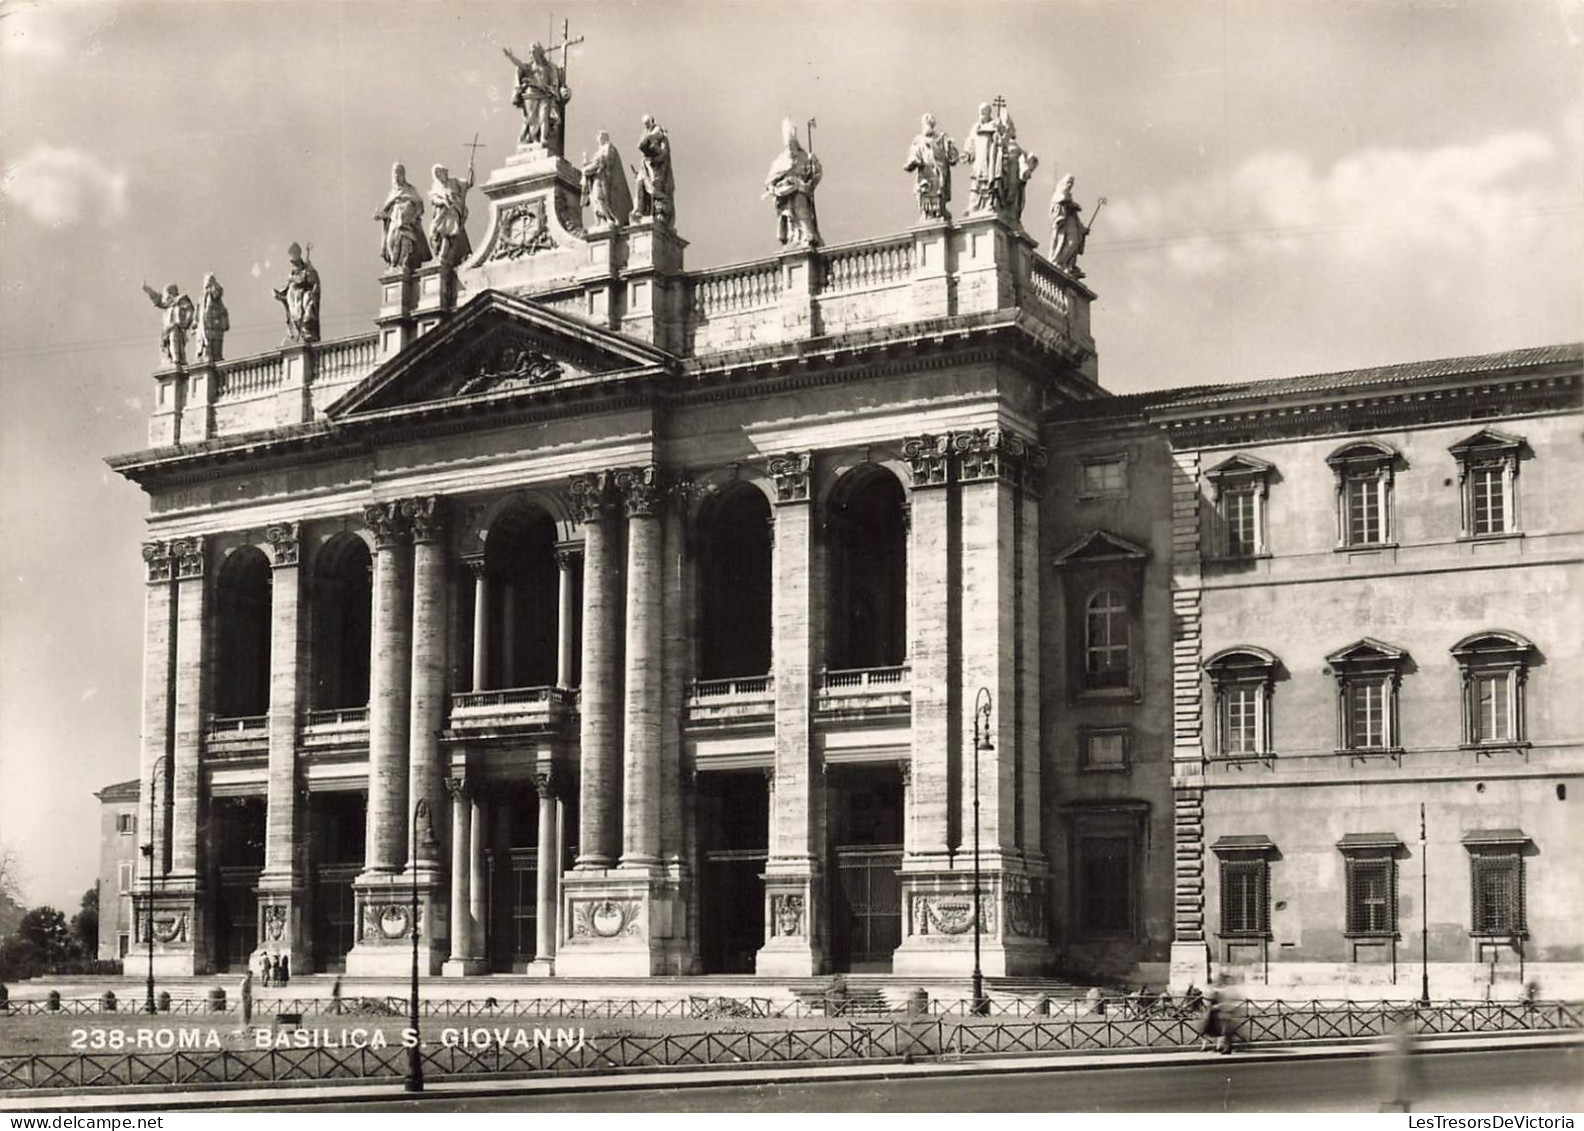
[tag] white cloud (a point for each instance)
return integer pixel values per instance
(29, 31)
(58, 186)
(1457, 198)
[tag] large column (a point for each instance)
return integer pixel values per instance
(794, 921)
(475, 567)
(478, 882)
(546, 874)
(600, 735)
(188, 924)
(569, 555)
(641, 739)
(462, 960)
(426, 717)
(280, 888)
(389, 688)
(384, 942)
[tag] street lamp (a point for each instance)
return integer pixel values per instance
(148, 854)
(981, 741)
(1424, 914)
(415, 1081)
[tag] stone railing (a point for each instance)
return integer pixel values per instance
(336, 716)
(1049, 285)
(741, 687)
(504, 697)
(346, 361)
(863, 679)
(250, 377)
(237, 724)
(861, 267)
(732, 289)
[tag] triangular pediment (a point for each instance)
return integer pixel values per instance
(1367, 650)
(1487, 439)
(1237, 465)
(498, 346)
(1101, 546)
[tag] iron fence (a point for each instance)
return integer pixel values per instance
(461, 1057)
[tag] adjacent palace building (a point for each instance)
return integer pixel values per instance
(628, 620)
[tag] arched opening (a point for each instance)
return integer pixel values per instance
(242, 660)
(342, 618)
(520, 567)
(734, 585)
(867, 625)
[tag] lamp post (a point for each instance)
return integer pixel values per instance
(147, 849)
(1424, 914)
(981, 741)
(415, 1081)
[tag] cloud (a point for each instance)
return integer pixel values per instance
(1453, 198)
(59, 186)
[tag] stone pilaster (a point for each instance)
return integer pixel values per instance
(794, 929)
(600, 700)
(1190, 958)
(282, 924)
(426, 717)
(479, 581)
(173, 922)
(931, 622)
(643, 493)
(384, 927)
(189, 939)
(569, 561)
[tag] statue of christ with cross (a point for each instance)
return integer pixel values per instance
(542, 93)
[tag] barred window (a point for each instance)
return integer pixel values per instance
(1371, 893)
(1245, 897)
(1498, 898)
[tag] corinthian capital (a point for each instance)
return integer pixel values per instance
(792, 476)
(157, 557)
(285, 542)
(642, 488)
(189, 555)
(928, 459)
(387, 522)
(425, 517)
(592, 496)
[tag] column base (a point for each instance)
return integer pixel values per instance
(542, 968)
(182, 943)
(622, 923)
(1190, 963)
(384, 945)
(463, 967)
(938, 926)
(793, 945)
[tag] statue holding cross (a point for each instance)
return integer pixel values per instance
(542, 93)
(986, 151)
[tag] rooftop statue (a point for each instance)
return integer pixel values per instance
(1020, 166)
(793, 177)
(654, 186)
(448, 225)
(213, 321)
(1001, 166)
(605, 184)
(542, 94)
(300, 297)
(930, 159)
(403, 244)
(179, 316)
(1068, 231)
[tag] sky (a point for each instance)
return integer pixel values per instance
(1293, 186)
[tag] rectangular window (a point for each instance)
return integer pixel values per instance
(1105, 885)
(124, 877)
(1488, 496)
(123, 944)
(1105, 749)
(1240, 722)
(1371, 895)
(126, 823)
(1364, 525)
(1493, 713)
(1245, 903)
(1367, 707)
(1105, 476)
(1498, 893)
(1239, 508)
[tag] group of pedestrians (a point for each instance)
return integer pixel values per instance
(272, 969)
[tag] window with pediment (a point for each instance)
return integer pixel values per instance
(1244, 874)
(1488, 479)
(1496, 882)
(1103, 578)
(1370, 868)
(1364, 478)
(1241, 680)
(1240, 487)
(1495, 667)
(1368, 674)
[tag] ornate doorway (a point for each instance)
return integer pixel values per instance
(865, 812)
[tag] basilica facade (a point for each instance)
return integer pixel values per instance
(598, 616)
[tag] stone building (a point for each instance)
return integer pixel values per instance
(627, 619)
(118, 857)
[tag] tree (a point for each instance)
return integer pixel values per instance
(85, 924)
(44, 929)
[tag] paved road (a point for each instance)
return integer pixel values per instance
(1510, 1081)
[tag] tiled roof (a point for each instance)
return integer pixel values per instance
(1403, 373)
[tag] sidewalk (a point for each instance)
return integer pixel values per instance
(387, 1091)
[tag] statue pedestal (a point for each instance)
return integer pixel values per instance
(653, 310)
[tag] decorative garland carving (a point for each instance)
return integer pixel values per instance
(170, 926)
(952, 914)
(792, 475)
(1025, 911)
(285, 543)
(605, 919)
